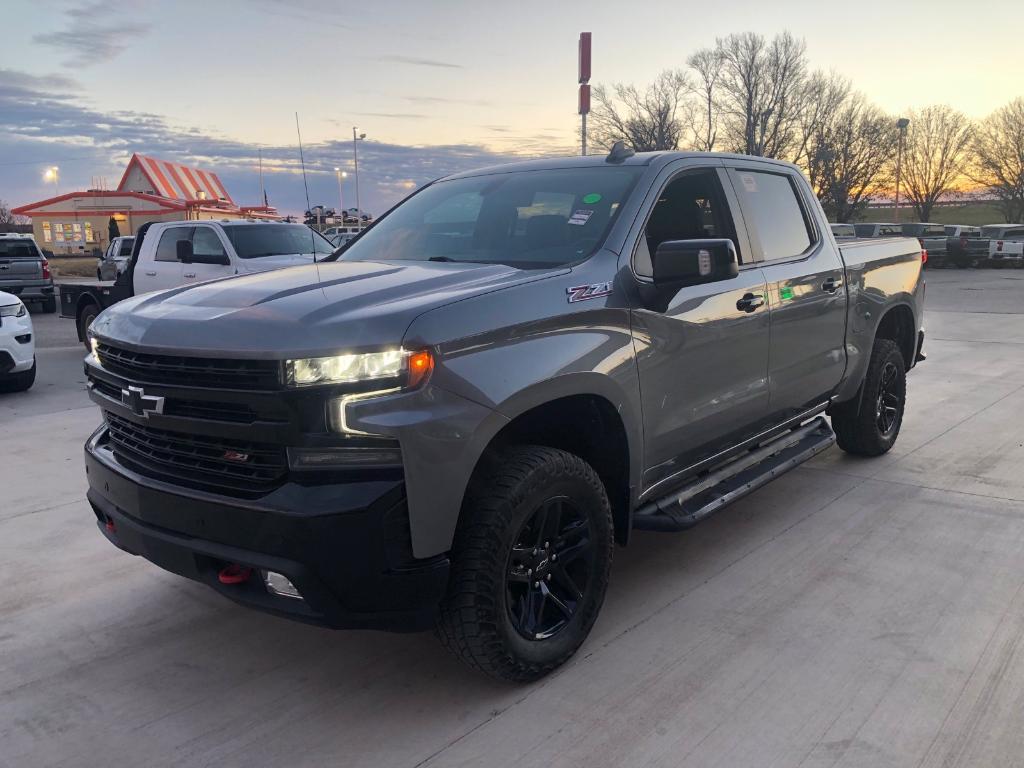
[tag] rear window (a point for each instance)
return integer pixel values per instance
(253, 241)
(773, 212)
(18, 248)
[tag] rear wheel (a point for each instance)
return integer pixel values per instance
(85, 318)
(870, 427)
(530, 564)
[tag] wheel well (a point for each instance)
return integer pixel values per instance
(898, 325)
(83, 302)
(587, 426)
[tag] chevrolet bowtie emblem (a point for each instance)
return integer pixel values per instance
(140, 403)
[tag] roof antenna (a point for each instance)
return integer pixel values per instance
(312, 237)
(619, 153)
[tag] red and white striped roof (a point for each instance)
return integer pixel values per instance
(172, 180)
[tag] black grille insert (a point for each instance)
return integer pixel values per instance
(224, 373)
(237, 413)
(197, 461)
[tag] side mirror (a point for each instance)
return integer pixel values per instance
(184, 251)
(679, 263)
(210, 258)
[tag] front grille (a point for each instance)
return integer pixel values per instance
(223, 373)
(239, 466)
(236, 413)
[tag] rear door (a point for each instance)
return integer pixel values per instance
(806, 292)
(158, 266)
(206, 241)
(702, 353)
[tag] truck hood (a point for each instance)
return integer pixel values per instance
(277, 261)
(301, 311)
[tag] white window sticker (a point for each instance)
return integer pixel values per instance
(704, 262)
(579, 218)
(749, 183)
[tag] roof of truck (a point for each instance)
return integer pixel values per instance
(585, 161)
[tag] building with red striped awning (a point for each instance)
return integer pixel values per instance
(150, 190)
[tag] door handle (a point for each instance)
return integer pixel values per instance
(750, 302)
(151, 274)
(189, 274)
(832, 285)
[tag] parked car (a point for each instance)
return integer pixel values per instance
(180, 253)
(351, 231)
(878, 230)
(932, 238)
(17, 346)
(965, 245)
(115, 258)
(453, 420)
(843, 230)
(25, 272)
(1006, 244)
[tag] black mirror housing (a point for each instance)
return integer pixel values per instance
(680, 263)
(211, 258)
(183, 249)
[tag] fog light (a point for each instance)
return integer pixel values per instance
(279, 584)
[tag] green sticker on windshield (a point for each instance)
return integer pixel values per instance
(592, 198)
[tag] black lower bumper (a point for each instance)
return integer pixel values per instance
(354, 568)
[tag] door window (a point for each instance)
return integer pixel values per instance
(773, 213)
(206, 243)
(126, 247)
(167, 248)
(691, 207)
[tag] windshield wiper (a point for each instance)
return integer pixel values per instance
(441, 258)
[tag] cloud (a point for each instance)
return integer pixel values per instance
(93, 34)
(42, 124)
(417, 62)
(396, 115)
(448, 100)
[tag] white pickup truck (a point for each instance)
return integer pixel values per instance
(181, 253)
(1006, 244)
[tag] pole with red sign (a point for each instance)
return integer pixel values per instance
(584, 81)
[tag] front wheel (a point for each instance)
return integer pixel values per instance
(88, 314)
(530, 564)
(870, 426)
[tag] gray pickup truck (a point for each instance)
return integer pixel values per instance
(25, 272)
(454, 421)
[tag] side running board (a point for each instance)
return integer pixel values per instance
(708, 493)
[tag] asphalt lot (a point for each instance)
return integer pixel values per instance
(853, 613)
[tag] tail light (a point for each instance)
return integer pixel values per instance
(920, 241)
(46, 270)
(999, 245)
(924, 256)
(963, 241)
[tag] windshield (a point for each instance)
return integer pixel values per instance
(18, 248)
(251, 241)
(526, 219)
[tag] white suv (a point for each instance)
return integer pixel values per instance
(17, 347)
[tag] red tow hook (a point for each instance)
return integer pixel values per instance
(234, 574)
(109, 525)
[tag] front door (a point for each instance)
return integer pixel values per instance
(164, 269)
(806, 293)
(206, 242)
(703, 357)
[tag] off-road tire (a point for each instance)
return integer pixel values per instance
(475, 621)
(856, 422)
(19, 382)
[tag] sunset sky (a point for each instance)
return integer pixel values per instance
(437, 86)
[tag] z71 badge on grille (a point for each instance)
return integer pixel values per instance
(592, 291)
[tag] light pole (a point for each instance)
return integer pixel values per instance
(53, 172)
(355, 161)
(902, 124)
(341, 199)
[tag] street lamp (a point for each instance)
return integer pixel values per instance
(341, 199)
(53, 174)
(355, 158)
(901, 124)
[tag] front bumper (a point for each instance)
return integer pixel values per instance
(353, 567)
(17, 344)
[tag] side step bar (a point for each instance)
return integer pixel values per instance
(685, 508)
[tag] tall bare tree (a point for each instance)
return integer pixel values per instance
(822, 97)
(999, 158)
(935, 156)
(7, 218)
(761, 91)
(646, 120)
(850, 157)
(707, 64)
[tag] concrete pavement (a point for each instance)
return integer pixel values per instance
(853, 613)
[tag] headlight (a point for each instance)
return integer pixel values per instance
(94, 344)
(13, 310)
(393, 364)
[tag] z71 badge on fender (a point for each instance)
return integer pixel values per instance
(584, 292)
